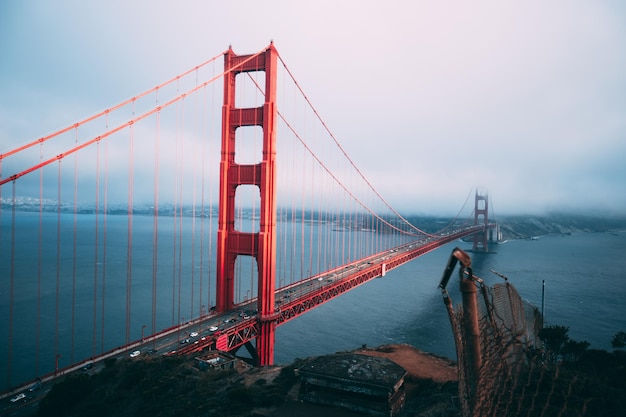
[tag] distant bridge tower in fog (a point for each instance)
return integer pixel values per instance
(481, 216)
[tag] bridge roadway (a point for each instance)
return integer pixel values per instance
(300, 297)
(237, 327)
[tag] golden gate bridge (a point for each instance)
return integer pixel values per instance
(217, 204)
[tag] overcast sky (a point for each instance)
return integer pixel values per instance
(526, 99)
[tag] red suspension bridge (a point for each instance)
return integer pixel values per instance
(218, 195)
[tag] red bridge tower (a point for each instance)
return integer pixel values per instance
(230, 242)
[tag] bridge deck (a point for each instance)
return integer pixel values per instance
(296, 299)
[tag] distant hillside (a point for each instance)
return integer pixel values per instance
(528, 226)
(512, 227)
(523, 227)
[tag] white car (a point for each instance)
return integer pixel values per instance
(193, 334)
(212, 328)
(135, 354)
(18, 397)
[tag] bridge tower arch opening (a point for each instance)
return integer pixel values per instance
(260, 243)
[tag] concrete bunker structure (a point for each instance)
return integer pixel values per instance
(216, 360)
(361, 383)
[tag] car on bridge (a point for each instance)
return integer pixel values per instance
(35, 386)
(135, 354)
(18, 397)
(193, 334)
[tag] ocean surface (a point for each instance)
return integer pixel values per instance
(583, 275)
(585, 290)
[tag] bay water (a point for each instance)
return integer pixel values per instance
(583, 277)
(580, 277)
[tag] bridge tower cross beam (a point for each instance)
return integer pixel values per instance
(481, 216)
(262, 244)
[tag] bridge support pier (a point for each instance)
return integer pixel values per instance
(232, 243)
(265, 345)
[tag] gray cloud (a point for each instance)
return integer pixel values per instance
(526, 98)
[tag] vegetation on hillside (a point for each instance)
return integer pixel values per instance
(562, 378)
(162, 387)
(565, 378)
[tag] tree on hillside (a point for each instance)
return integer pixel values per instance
(554, 340)
(619, 340)
(573, 350)
(559, 347)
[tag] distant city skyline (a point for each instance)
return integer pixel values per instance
(524, 99)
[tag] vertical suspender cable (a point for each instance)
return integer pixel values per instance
(356, 228)
(176, 288)
(175, 320)
(104, 242)
(349, 228)
(254, 180)
(320, 224)
(211, 152)
(74, 250)
(280, 273)
(1, 200)
(39, 265)
(1, 204)
(239, 207)
(205, 136)
(281, 246)
(58, 264)
(327, 224)
(202, 208)
(312, 223)
(346, 232)
(210, 249)
(238, 226)
(96, 241)
(193, 229)
(11, 290)
(303, 211)
(292, 220)
(180, 205)
(129, 248)
(155, 220)
(342, 217)
(333, 210)
(303, 187)
(193, 210)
